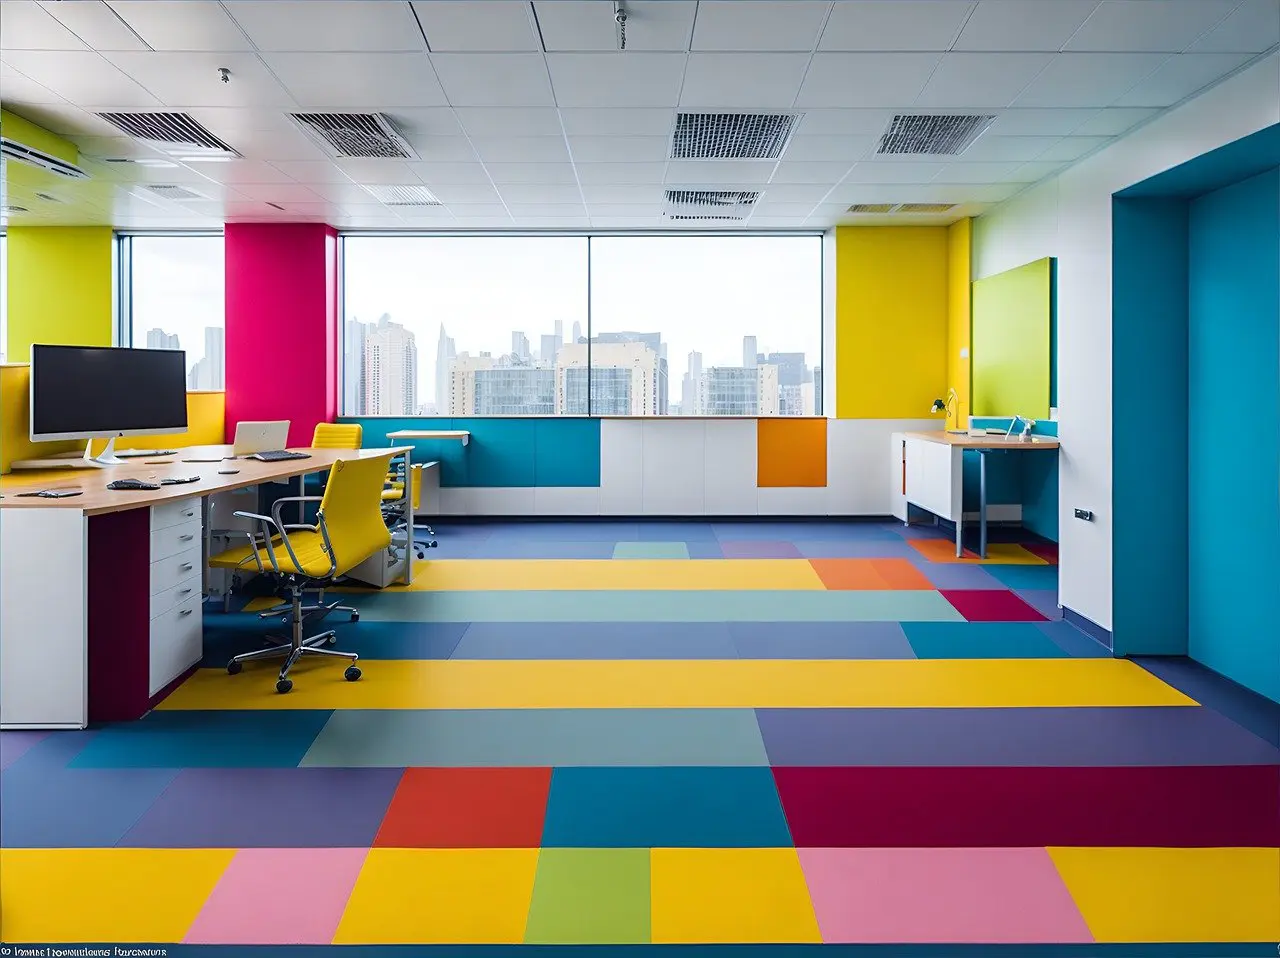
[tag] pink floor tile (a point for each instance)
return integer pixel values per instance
(279, 896)
(958, 895)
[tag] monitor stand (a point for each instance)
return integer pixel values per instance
(107, 457)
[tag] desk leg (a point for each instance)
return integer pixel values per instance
(407, 504)
(982, 503)
(960, 536)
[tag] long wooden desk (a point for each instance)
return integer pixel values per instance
(101, 594)
(933, 473)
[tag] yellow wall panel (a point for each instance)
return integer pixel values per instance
(892, 322)
(205, 426)
(60, 287)
(959, 245)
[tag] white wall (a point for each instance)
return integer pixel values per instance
(1070, 217)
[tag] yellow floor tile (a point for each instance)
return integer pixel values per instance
(998, 553)
(730, 895)
(730, 683)
(105, 894)
(1175, 894)
(440, 896)
(469, 575)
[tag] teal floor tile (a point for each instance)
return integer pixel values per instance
(538, 738)
(1041, 577)
(980, 640)
(651, 550)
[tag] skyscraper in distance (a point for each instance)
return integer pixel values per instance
(577, 331)
(749, 351)
(391, 370)
(446, 352)
(159, 339)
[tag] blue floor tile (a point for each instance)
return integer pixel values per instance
(664, 807)
(1037, 577)
(596, 640)
(675, 531)
(980, 640)
(498, 547)
(820, 640)
(198, 739)
(75, 808)
(228, 635)
(1074, 642)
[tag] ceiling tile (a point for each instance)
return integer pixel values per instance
(762, 25)
(847, 149)
(244, 172)
(1252, 28)
(1182, 75)
(1037, 170)
(619, 149)
(348, 196)
(21, 90)
(595, 195)
(800, 172)
(496, 26)
(493, 79)
(892, 172)
(635, 121)
(465, 193)
(765, 209)
(95, 24)
(357, 81)
(751, 81)
(521, 149)
(715, 172)
(981, 80)
(483, 222)
(619, 174)
(238, 120)
(182, 24)
(1114, 121)
(112, 146)
(588, 25)
(1027, 25)
(279, 193)
(775, 222)
(806, 193)
(542, 193)
(416, 124)
(1088, 79)
(510, 121)
(866, 79)
(616, 79)
(1151, 26)
(84, 78)
(470, 210)
(520, 210)
(313, 172)
(1008, 148)
(552, 173)
(462, 173)
(976, 172)
(191, 79)
(328, 25)
(379, 172)
(1073, 147)
(446, 148)
(843, 122)
(1038, 122)
(894, 24)
(25, 25)
(288, 145)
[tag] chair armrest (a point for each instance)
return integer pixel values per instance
(279, 503)
(267, 525)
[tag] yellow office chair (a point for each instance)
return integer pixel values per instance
(349, 528)
(337, 435)
(392, 499)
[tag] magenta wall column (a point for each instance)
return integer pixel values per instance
(282, 325)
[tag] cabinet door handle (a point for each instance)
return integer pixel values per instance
(185, 567)
(187, 538)
(185, 612)
(189, 514)
(185, 592)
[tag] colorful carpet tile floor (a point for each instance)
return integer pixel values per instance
(700, 733)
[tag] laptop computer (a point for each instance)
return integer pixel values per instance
(252, 437)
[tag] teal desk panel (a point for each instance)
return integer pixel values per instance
(567, 452)
(501, 452)
(1017, 477)
(450, 453)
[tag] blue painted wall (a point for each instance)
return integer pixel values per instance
(1149, 432)
(1233, 516)
(523, 452)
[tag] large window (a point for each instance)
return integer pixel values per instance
(174, 295)
(639, 325)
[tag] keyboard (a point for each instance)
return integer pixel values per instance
(132, 484)
(279, 455)
(144, 453)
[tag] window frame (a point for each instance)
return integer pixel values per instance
(817, 234)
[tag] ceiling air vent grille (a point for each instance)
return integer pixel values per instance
(709, 204)
(732, 136)
(395, 195)
(925, 207)
(352, 135)
(173, 133)
(172, 191)
(871, 208)
(932, 135)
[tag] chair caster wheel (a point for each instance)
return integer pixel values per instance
(355, 617)
(284, 685)
(234, 667)
(333, 640)
(432, 544)
(351, 674)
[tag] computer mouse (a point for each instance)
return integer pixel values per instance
(227, 472)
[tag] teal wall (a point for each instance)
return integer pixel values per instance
(1149, 428)
(1233, 510)
(1029, 478)
(522, 452)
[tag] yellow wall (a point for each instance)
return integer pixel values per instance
(27, 133)
(205, 416)
(959, 325)
(60, 287)
(892, 323)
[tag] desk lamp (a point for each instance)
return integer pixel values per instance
(946, 405)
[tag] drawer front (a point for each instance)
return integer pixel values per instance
(174, 539)
(180, 594)
(169, 571)
(177, 642)
(174, 513)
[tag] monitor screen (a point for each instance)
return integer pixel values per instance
(82, 391)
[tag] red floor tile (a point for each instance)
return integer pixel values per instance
(991, 605)
(467, 808)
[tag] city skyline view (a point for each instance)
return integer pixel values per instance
(178, 293)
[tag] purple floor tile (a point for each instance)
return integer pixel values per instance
(888, 548)
(766, 549)
(51, 750)
(42, 807)
(15, 744)
(1044, 601)
(956, 575)
(820, 640)
(1151, 735)
(795, 531)
(268, 808)
(1244, 707)
(1075, 643)
(501, 547)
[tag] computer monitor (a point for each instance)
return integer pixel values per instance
(88, 392)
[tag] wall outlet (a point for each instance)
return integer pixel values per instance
(1084, 514)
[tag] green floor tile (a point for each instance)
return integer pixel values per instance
(588, 896)
(651, 550)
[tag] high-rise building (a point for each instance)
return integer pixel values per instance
(390, 370)
(515, 391)
(689, 385)
(793, 375)
(624, 379)
(446, 351)
(159, 339)
(739, 391)
(577, 331)
(461, 383)
(209, 372)
(520, 346)
(749, 351)
(353, 346)
(559, 332)
(654, 342)
(817, 391)
(548, 347)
